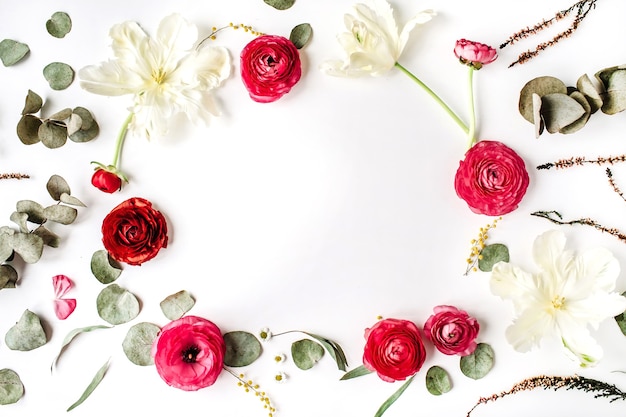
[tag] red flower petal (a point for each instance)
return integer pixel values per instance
(61, 284)
(64, 307)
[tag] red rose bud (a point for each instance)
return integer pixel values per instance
(474, 54)
(270, 66)
(106, 181)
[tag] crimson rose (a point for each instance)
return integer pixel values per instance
(189, 353)
(106, 181)
(270, 66)
(134, 232)
(452, 331)
(394, 349)
(492, 179)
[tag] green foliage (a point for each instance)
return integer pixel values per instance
(491, 255)
(70, 337)
(92, 386)
(479, 363)
(306, 353)
(116, 305)
(334, 350)
(59, 24)
(138, 342)
(11, 387)
(12, 52)
(393, 398)
(280, 4)
(356, 372)
(621, 319)
(104, 268)
(59, 75)
(27, 334)
(301, 35)
(242, 348)
(438, 381)
(176, 305)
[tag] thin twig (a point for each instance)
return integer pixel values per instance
(581, 160)
(550, 216)
(13, 175)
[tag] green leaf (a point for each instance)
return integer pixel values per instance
(21, 220)
(138, 342)
(12, 52)
(28, 129)
(176, 305)
(242, 348)
(479, 363)
(59, 24)
(104, 268)
(27, 245)
(48, 237)
(614, 96)
(71, 200)
(57, 186)
(117, 305)
(334, 350)
(582, 120)
(11, 387)
(92, 386)
(559, 110)
(33, 209)
(280, 4)
(491, 255)
(8, 276)
(60, 214)
(73, 334)
(61, 115)
(89, 128)
(621, 319)
(52, 135)
(540, 86)
(393, 398)
(306, 353)
(438, 381)
(32, 104)
(27, 334)
(356, 372)
(59, 75)
(589, 91)
(301, 34)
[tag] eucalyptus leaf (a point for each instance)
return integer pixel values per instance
(621, 319)
(71, 336)
(116, 305)
(92, 386)
(582, 120)
(32, 104)
(12, 52)
(21, 220)
(176, 305)
(59, 24)
(52, 135)
(57, 186)
(61, 214)
(49, 238)
(478, 364)
(71, 200)
(73, 124)
(491, 255)
(89, 128)
(559, 110)
(138, 343)
(33, 209)
(280, 4)
(388, 403)
(28, 246)
(355, 373)
(242, 348)
(27, 334)
(104, 268)
(301, 35)
(59, 75)
(614, 96)
(540, 86)
(334, 350)
(6, 249)
(8, 276)
(11, 387)
(61, 115)
(438, 381)
(28, 129)
(587, 89)
(306, 353)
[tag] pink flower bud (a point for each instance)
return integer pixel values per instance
(106, 181)
(474, 54)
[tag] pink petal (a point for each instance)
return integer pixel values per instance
(64, 307)
(61, 284)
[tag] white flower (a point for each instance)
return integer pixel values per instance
(165, 74)
(372, 43)
(280, 377)
(265, 334)
(569, 294)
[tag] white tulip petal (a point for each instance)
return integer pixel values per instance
(578, 341)
(419, 19)
(528, 329)
(547, 248)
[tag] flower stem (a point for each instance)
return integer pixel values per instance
(120, 139)
(431, 93)
(471, 134)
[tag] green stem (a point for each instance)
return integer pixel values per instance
(431, 93)
(471, 134)
(120, 140)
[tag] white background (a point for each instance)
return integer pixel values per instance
(318, 212)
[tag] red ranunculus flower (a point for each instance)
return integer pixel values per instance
(270, 66)
(394, 349)
(189, 353)
(106, 181)
(452, 331)
(134, 232)
(474, 54)
(492, 179)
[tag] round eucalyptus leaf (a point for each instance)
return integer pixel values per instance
(33, 103)
(28, 245)
(438, 381)
(117, 305)
(306, 353)
(28, 129)
(89, 128)
(540, 86)
(615, 92)
(49, 238)
(73, 124)
(176, 305)
(12, 52)
(104, 268)
(52, 135)
(11, 387)
(60, 214)
(21, 220)
(61, 115)
(586, 87)
(86, 117)
(57, 186)
(71, 200)
(242, 348)
(27, 334)
(138, 342)
(33, 209)
(491, 255)
(301, 34)
(280, 4)
(8, 276)
(582, 120)
(59, 75)
(479, 363)
(559, 110)
(59, 24)
(6, 250)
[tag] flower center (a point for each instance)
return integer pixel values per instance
(557, 302)
(190, 354)
(158, 75)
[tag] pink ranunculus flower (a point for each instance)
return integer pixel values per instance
(452, 331)
(189, 353)
(492, 179)
(270, 66)
(474, 54)
(394, 349)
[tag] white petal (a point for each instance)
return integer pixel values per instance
(547, 249)
(600, 266)
(419, 19)
(529, 328)
(212, 66)
(110, 79)
(126, 38)
(596, 308)
(578, 341)
(176, 36)
(510, 282)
